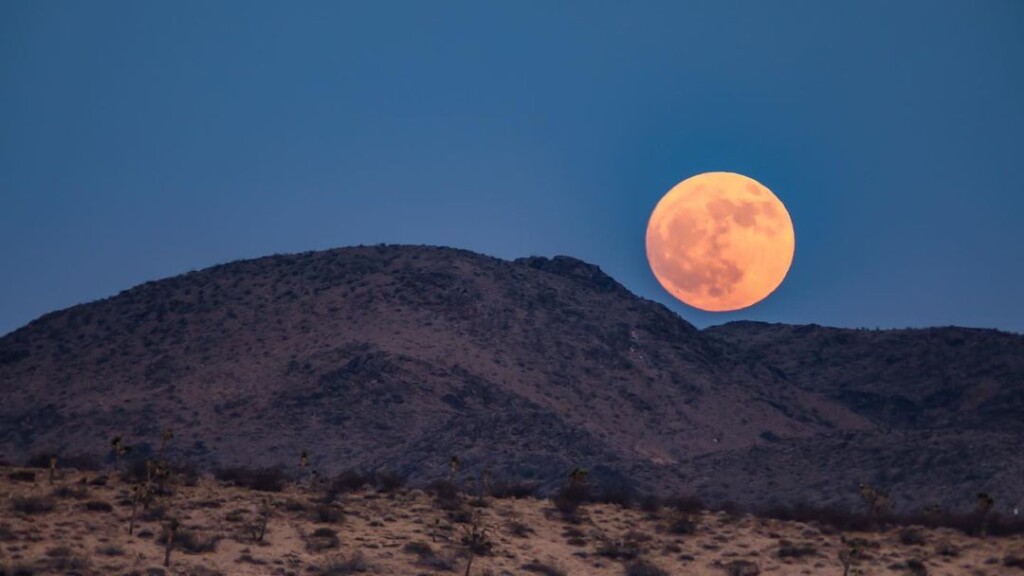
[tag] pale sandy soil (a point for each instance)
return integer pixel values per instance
(73, 539)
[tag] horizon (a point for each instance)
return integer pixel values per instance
(385, 244)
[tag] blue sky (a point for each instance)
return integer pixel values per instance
(139, 140)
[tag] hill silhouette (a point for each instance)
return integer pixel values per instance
(398, 357)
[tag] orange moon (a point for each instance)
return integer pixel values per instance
(720, 241)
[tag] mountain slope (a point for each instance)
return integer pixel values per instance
(395, 357)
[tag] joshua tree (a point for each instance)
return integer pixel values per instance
(119, 450)
(53, 468)
(877, 501)
(848, 554)
(476, 541)
(453, 468)
(984, 506)
(577, 477)
(172, 529)
(165, 437)
(303, 460)
(259, 529)
(139, 494)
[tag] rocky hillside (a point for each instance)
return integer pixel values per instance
(398, 357)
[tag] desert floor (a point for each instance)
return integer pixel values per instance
(80, 525)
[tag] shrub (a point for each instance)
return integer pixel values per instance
(76, 492)
(328, 514)
(446, 494)
(688, 504)
(340, 566)
(681, 523)
(262, 479)
(349, 481)
(189, 540)
(32, 504)
(568, 500)
(911, 537)
(537, 567)
(742, 568)
(514, 490)
(788, 549)
(420, 549)
(22, 476)
(644, 568)
(322, 539)
(98, 506)
(618, 494)
(388, 482)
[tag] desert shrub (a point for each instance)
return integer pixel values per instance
(519, 528)
(537, 567)
(742, 568)
(110, 550)
(328, 514)
(6, 533)
(643, 568)
(32, 504)
(73, 492)
(620, 548)
(349, 481)
(689, 504)
(388, 481)
(1012, 561)
(650, 504)
(190, 540)
(446, 494)
(568, 500)
(341, 566)
(322, 539)
(911, 537)
(619, 494)
(98, 506)
(915, 568)
(514, 490)
(420, 549)
(681, 523)
(22, 476)
(788, 549)
(833, 517)
(17, 570)
(262, 479)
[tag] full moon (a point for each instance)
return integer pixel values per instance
(720, 241)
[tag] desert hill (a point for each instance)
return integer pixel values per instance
(398, 357)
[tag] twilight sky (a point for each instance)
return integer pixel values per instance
(140, 140)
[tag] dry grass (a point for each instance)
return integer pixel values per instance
(369, 527)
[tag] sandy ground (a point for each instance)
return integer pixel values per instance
(408, 533)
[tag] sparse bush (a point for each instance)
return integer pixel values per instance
(32, 504)
(788, 549)
(1012, 561)
(74, 492)
(328, 514)
(420, 549)
(643, 568)
(689, 504)
(98, 506)
(618, 494)
(568, 500)
(22, 476)
(514, 490)
(262, 479)
(742, 568)
(388, 481)
(911, 536)
(189, 540)
(349, 481)
(322, 539)
(446, 494)
(537, 567)
(341, 566)
(681, 523)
